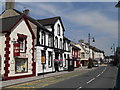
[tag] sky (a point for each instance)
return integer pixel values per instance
(100, 19)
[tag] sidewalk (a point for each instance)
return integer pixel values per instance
(23, 80)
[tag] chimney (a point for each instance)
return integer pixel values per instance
(10, 4)
(26, 11)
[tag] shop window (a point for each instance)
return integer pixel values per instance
(49, 59)
(21, 65)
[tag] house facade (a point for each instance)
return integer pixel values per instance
(57, 46)
(17, 49)
(75, 55)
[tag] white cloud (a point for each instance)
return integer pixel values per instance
(95, 20)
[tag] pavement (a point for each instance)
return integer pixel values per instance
(34, 78)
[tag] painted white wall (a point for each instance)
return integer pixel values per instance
(61, 33)
(2, 51)
(21, 29)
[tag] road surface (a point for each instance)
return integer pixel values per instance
(103, 77)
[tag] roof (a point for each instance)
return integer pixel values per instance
(9, 22)
(50, 21)
(36, 23)
(75, 47)
(65, 38)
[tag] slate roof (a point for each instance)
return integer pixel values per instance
(36, 23)
(50, 21)
(9, 22)
(75, 47)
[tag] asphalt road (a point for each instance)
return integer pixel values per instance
(102, 77)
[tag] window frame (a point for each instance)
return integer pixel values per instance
(50, 59)
(24, 44)
(43, 37)
(58, 29)
(21, 65)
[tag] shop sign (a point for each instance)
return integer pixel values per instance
(16, 49)
(43, 59)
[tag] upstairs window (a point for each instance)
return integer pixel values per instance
(61, 43)
(82, 55)
(22, 41)
(43, 38)
(50, 40)
(56, 42)
(58, 29)
(64, 45)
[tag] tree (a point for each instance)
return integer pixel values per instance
(81, 41)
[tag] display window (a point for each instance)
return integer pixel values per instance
(21, 65)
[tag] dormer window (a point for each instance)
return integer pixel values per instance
(58, 29)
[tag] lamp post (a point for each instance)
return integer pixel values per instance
(93, 40)
(113, 48)
(90, 63)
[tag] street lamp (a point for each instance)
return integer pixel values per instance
(93, 40)
(113, 48)
(90, 62)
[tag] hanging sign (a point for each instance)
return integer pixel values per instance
(16, 49)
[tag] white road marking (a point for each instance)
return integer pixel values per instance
(98, 75)
(90, 80)
(78, 88)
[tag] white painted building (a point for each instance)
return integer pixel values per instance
(17, 48)
(59, 49)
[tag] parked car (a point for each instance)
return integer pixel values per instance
(95, 64)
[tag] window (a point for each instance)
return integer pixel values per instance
(65, 58)
(43, 38)
(82, 55)
(49, 59)
(21, 65)
(43, 56)
(61, 61)
(56, 42)
(60, 43)
(58, 29)
(22, 41)
(50, 40)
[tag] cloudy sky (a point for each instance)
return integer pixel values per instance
(100, 19)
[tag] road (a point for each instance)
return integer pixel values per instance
(97, 77)
(103, 77)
